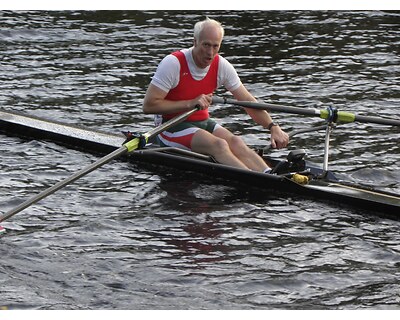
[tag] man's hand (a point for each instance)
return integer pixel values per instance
(203, 101)
(279, 138)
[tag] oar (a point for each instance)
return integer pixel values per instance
(329, 113)
(126, 148)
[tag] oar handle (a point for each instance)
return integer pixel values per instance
(341, 116)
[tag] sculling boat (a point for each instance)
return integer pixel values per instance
(293, 175)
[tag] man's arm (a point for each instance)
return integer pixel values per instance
(279, 138)
(260, 116)
(155, 102)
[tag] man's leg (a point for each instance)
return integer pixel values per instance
(206, 143)
(241, 151)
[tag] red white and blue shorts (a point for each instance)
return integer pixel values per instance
(181, 135)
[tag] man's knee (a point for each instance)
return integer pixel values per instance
(219, 146)
(236, 143)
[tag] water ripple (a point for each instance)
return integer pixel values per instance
(128, 237)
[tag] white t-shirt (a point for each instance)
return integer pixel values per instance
(167, 73)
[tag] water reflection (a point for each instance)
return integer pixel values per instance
(197, 234)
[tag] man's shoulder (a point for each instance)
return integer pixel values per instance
(226, 67)
(170, 63)
(166, 76)
(169, 58)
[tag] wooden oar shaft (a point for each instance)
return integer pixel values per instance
(127, 147)
(342, 116)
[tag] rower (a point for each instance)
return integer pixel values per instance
(189, 77)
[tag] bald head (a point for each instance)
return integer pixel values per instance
(207, 25)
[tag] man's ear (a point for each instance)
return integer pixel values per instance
(194, 42)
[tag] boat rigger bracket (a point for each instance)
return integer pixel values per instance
(328, 131)
(133, 135)
(331, 119)
(330, 124)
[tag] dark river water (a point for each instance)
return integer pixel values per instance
(127, 237)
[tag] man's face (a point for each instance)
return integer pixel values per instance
(207, 47)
